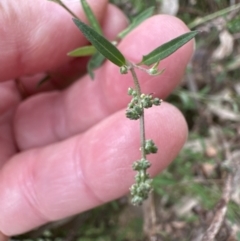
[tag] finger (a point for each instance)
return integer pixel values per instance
(50, 183)
(9, 100)
(62, 114)
(40, 40)
(3, 237)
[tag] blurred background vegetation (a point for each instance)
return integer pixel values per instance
(188, 194)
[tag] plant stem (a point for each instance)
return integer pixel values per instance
(209, 17)
(141, 119)
(65, 7)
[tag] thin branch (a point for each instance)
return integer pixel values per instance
(65, 7)
(141, 119)
(221, 210)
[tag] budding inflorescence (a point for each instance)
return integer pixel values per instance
(135, 107)
(141, 189)
(150, 147)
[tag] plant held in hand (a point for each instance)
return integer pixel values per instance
(102, 49)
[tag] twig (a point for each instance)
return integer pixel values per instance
(149, 217)
(221, 207)
(209, 17)
(221, 210)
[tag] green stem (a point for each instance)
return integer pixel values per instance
(141, 119)
(209, 17)
(65, 7)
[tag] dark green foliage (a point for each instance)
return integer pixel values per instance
(106, 48)
(167, 49)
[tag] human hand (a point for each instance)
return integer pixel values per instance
(63, 152)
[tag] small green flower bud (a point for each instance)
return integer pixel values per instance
(150, 147)
(144, 189)
(131, 105)
(142, 164)
(131, 114)
(153, 71)
(124, 69)
(138, 178)
(134, 100)
(137, 201)
(146, 103)
(133, 189)
(134, 113)
(146, 97)
(141, 189)
(156, 101)
(130, 90)
(134, 94)
(138, 110)
(136, 166)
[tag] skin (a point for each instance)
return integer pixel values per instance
(66, 151)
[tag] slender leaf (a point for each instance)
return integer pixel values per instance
(136, 21)
(167, 49)
(95, 61)
(91, 17)
(106, 48)
(82, 51)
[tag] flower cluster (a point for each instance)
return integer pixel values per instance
(135, 107)
(150, 147)
(142, 187)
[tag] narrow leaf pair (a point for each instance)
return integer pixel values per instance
(109, 51)
(106, 49)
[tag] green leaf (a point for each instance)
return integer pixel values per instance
(106, 48)
(82, 51)
(136, 21)
(167, 49)
(95, 61)
(91, 17)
